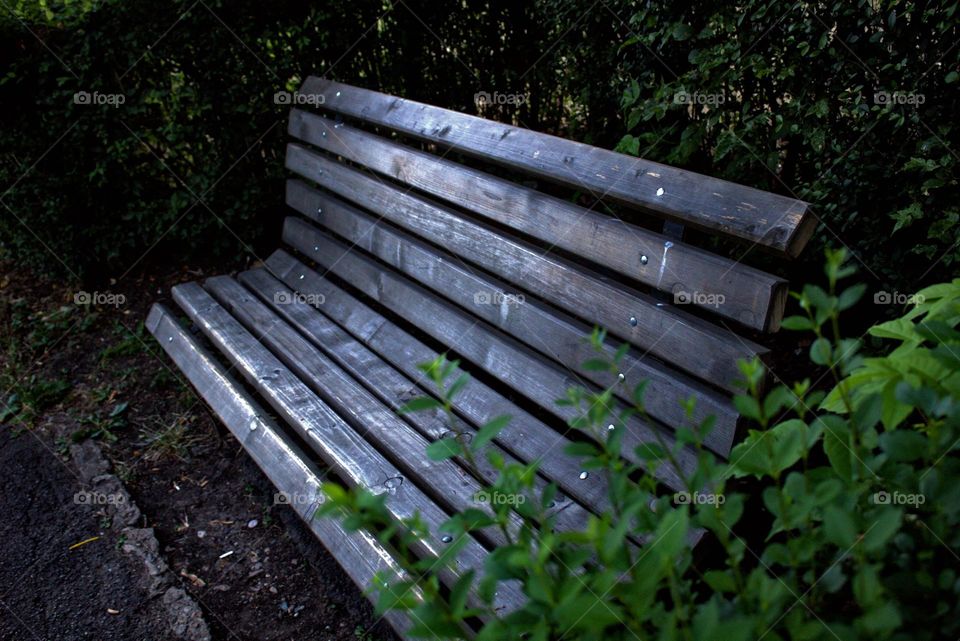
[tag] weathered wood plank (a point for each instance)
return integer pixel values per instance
(778, 222)
(528, 438)
(749, 295)
(547, 331)
(692, 344)
(351, 457)
(390, 386)
(443, 481)
(284, 463)
(503, 357)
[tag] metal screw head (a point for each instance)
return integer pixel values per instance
(316, 248)
(644, 260)
(301, 276)
(323, 133)
(169, 339)
(319, 210)
(338, 94)
(446, 538)
(253, 424)
(611, 427)
(633, 321)
(621, 377)
(584, 476)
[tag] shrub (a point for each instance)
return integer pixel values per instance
(846, 105)
(836, 517)
(183, 158)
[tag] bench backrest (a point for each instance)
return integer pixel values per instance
(512, 278)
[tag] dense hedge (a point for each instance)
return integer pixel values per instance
(848, 105)
(192, 158)
(101, 185)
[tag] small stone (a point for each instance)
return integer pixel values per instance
(272, 589)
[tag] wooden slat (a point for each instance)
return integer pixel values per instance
(525, 436)
(749, 296)
(389, 385)
(284, 463)
(780, 223)
(354, 460)
(444, 481)
(705, 350)
(556, 336)
(502, 357)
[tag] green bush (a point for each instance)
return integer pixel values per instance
(835, 518)
(190, 165)
(847, 105)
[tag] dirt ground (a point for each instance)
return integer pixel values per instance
(254, 569)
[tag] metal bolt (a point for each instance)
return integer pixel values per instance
(633, 321)
(253, 425)
(611, 427)
(584, 475)
(644, 260)
(621, 377)
(323, 133)
(660, 191)
(316, 248)
(169, 339)
(338, 94)
(319, 210)
(301, 276)
(446, 538)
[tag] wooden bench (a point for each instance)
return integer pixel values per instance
(405, 248)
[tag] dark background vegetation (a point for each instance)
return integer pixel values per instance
(190, 166)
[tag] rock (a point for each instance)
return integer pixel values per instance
(186, 620)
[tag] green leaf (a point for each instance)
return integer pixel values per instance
(460, 591)
(835, 436)
(444, 449)
(458, 385)
(720, 581)
(904, 445)
(797, 323)
(420, 404)
(490, 430)
(838, 527)
(820, 351)
(886, 523)
(747, 406)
